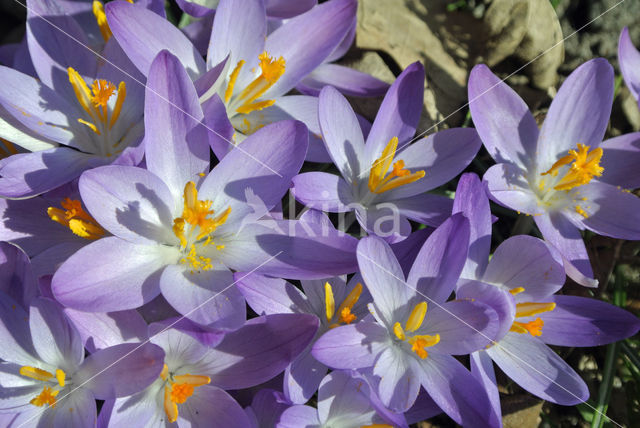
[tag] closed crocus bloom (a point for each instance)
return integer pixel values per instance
(45, 377)
(247, 72)
(629, 59)
(519, 283)
(274, 8)
(387, 177)
(562, 174)
(415, 332)
(180, 231)
(190, 390)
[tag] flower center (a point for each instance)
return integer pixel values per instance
(529, 309)
(247, 101)
(76, 219)
(178, 389)
(379, 181)
(344, 315)
(95, 100)
(199, 227)
(418, 342)
(48, 394)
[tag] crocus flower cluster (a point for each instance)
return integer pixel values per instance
(150, 274)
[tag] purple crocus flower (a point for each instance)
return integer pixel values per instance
(78, 114)
(247, 72)
(344, 401)
(333, 301)
(180, 231)
(520, 282)
(276, 9)
(409, 345)
(629, 59)
(191, 388)
(376, 182)
(562, 174)
(45, 377)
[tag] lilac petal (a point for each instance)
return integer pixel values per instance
(525, 261)
(425, 208)
(507, 186)
(130, 202)
(538, 369)
(143, 34)
(457, 392)
(565, 237)
(12, 129)
(267, 406)
(14, 332)
(206, 297)
(352, 346)
(306, 40)
(56, 42)
(471, 200)
(611, 211)
(110, 275)
(101, 330)
(441, 156)
(195, 9)
(258, 351)
(29, 174)
(620, 160)
(399, 113)
(175, 142)
(41, 109)
(209, 404)
(299, 416)
(56, 341)
(504, 122)
(48, 261)
(209, 83)
(287, 8)
(464, 326)
(219, 129)
(76, 410)
(424, 408)
(347, 80)
(265, 163)
(121, 370)
(341, 133)
(441, 259)
(179, 345)
(322, 191)
(383, 277)
(139, 409)
(580, 321)
(302, 377)
(501, 301)
(204, 336)
(16, 275)
(199, 33)
(239, 30)
(271, 295)
(399, 385)
(407, 250)
(629, 59)
(579, 113)
(482, 369)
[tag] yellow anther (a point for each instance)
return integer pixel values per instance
(90, 125)
(533, 327)
(101, 19)
(170, 407)
(35, 373)
(233, 77)
(329, 302)
(47, 396)
(585, 165)
(416, 317)
(76, 219)
(516, 290)
(271, 71)
(530, 309)
(61, 376)
(165, 372)
(418, 343)
(193, 380)
(379, 181)
(398, 331)
(80, 88)
(178, 390)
